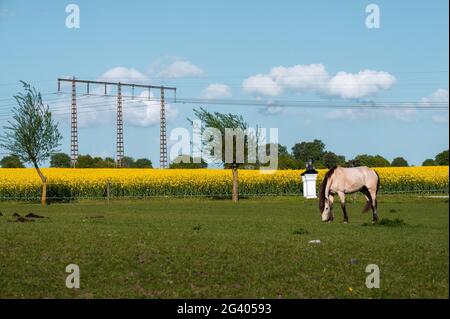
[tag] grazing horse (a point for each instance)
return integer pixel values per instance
(341, 181)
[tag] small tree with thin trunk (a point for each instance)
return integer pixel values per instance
(222, 121)
(32, 134)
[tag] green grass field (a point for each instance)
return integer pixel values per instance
(205, 248)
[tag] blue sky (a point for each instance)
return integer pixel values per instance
(317, 51)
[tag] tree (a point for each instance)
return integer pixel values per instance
(285, 160)
(128, 162)
(32, 134)
(370, 161)
(221, 122)
(429, 162)
(330, 160)
(442, 158)
(97, 162)
(11, 161)
(282, 150)
(60, 160)
(399, 162)
(187, 162)
(306, 151)
(289, 162)
(85, 161)
(108, 162)
(143, 163)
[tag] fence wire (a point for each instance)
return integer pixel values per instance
(212, 196)
(112, 190)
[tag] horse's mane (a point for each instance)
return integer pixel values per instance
(323, 186)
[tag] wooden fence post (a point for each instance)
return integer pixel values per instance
(108, 191)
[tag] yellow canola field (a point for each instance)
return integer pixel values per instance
(84, 183)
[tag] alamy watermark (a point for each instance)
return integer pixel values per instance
(73, 17)
(373, 17)
(373, 279)
(73, 279)
(233, 146)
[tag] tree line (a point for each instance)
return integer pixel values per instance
(62, 160)
(316, 152)
(301, 154)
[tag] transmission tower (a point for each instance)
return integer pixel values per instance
(74, 127)
(119, 120)
(119, 141)
(162, 134)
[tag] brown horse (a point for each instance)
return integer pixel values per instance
(341, 181)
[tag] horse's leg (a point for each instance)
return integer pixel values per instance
(342, 199)
(373, 196)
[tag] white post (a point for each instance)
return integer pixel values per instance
(309, 185)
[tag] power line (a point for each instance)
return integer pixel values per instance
(393, 105)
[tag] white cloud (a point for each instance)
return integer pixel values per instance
(406, 115)
(144, 113)
(92, 109)
(314, 78)
(216, 91)
(272, 110)
(438, 98)
(300, 78)
(180, 69)
(362, 84)
(261, 85)
(122, 74)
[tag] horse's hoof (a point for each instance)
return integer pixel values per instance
(345, 222)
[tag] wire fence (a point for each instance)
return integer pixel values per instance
(62, 192)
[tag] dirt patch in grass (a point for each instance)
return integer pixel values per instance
(33, 215)
(397, 222)
(300, 231)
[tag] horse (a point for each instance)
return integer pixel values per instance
(339, 180)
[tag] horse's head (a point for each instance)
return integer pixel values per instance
(325, 206)
(325, 211)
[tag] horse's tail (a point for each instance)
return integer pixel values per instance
(378, 182)
(378, 187)
(366, 192)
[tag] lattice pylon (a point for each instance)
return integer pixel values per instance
(162, 134)
(119, 143)
(74, 127)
